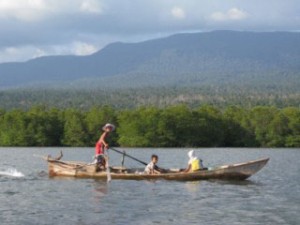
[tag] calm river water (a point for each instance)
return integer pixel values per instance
(29, 196)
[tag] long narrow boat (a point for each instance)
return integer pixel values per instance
(239, 171)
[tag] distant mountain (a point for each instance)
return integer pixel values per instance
(212, 58)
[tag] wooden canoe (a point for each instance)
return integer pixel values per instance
(239, 171)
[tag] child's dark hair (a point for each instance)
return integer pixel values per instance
(154, 156)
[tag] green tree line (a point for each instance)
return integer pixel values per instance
(173, 126)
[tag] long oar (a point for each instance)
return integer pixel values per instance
(108, 169)
(129, 156)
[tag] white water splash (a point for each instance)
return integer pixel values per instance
(11, 172)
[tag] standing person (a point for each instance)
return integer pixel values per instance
(152, 168)
(194, 163)
(102, 145)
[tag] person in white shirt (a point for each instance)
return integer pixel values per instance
(152, 168)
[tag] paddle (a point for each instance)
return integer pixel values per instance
(108, 169)
(140, 161)
(129, 156)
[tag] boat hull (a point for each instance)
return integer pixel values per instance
(239, 171)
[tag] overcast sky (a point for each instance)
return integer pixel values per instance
(33, 28)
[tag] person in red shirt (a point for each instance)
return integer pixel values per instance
(102, 145)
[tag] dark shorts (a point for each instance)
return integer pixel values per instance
(100, 159)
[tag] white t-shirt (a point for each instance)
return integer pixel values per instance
(149, 168)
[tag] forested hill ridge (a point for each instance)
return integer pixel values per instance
(193, 59)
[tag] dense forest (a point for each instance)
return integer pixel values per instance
(220, 96)
(172, 126)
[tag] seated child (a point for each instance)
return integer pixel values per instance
(152, 168)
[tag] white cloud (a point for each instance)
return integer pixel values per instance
(28, 10)
(231, 14)
(178, 12)
(21, 53)
(39, 53)
(81, 48)
(91, 6)
(236, 14)
(10, 54)
(74, 48)
(35, 10)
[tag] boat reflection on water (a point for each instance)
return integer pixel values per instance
(100, 189)
(193, 186)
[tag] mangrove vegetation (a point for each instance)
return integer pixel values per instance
(172, 126)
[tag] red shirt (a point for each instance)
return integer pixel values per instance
(99, 148)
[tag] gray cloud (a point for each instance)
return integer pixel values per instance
(30, 28)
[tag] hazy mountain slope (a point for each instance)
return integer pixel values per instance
(218, 57)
